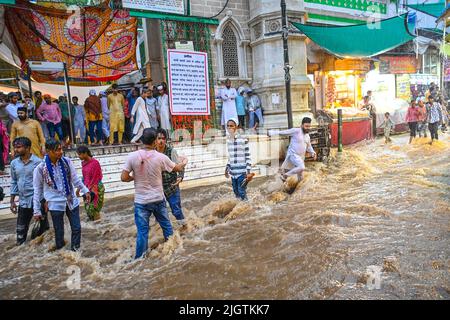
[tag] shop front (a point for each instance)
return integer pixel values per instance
(390, 83)
(343, 80)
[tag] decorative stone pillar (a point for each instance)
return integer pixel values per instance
(268, 61)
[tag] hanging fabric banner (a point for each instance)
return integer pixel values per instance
(96, 43)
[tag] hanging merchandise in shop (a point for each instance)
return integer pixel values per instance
(97, 43)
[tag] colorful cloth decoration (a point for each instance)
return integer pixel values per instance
(96, 43)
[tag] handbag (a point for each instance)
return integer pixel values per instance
(40, 226)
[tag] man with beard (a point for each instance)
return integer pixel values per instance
(22, 186)
(11, 108)
(29, 128)
(300, 143)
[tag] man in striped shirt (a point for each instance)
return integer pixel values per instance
(239, 162)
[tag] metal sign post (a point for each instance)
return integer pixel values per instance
(339, 130)
(287, 67)
(69, 102)
(29, 79)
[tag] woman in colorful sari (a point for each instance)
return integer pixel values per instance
(4, 150)
(92, 178)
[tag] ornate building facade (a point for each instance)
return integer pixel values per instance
(245, 45)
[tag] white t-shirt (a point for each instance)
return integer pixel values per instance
(147, 167)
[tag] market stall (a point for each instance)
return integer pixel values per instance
(343, 90)
(391, 83)
(356, 125)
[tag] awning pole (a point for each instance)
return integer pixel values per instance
(339, 130)
(29, 87)
(69, 102)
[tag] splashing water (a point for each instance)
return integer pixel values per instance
(373, 206)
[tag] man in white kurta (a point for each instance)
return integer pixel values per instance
(228, 96)
(105, 113)
(139, 116)
(164, 109)
(294, 163)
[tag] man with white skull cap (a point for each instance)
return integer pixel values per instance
(228, 95)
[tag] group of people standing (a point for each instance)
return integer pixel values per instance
(120, 117)
(426, 113)
(112, 117)
(246, 109)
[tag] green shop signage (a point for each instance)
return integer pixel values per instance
(361, 5)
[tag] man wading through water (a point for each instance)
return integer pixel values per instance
(22, 169)
(171, 180)
(147, 166)
(300, 143)
(55, 179)
(239, 164)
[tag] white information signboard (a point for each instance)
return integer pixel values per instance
(167, 6)
(188, 82)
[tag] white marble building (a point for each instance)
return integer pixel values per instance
(247, 47)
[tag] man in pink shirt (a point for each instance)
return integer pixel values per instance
(50, 114)
(147, 166)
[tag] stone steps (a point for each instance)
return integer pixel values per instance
(205, 163)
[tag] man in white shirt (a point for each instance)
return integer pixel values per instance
(12, 107)
(105, 113)
(294, 163)
(55, 180)
(164, 116)
(228, 96)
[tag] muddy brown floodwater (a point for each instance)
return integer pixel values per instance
(374, 206)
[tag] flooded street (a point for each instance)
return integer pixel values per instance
(385, 206)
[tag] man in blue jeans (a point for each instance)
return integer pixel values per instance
(55, 179)
(171, 180)
(239, 163)
(145, 167)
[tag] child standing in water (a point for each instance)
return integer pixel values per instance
(239, 163)
(92, 178)
(388, 125)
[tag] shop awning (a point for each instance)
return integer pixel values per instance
(432, 9)
(360, 40)
(56, 90)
